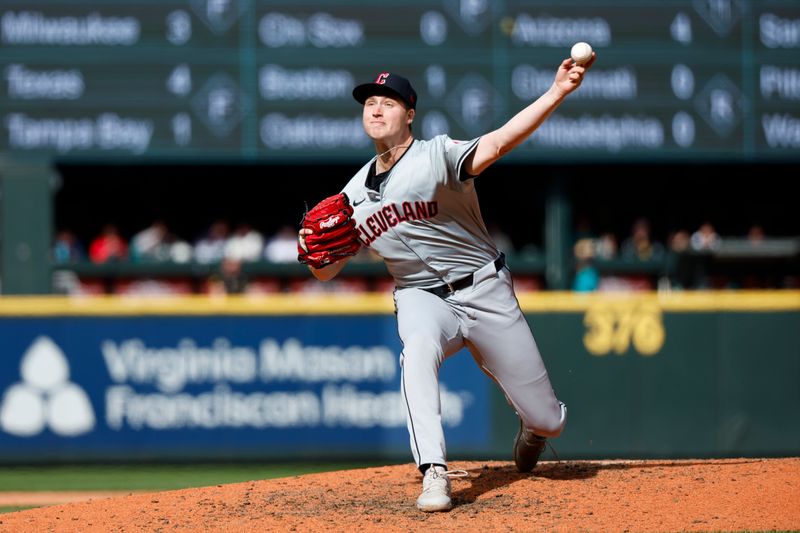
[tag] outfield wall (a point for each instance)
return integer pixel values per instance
(644, 375)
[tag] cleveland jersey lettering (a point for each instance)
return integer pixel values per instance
(391, 215)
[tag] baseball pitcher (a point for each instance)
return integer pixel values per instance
(415, 205)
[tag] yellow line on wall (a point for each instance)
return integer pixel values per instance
(273, 304)
(686, 302)
(378, 303)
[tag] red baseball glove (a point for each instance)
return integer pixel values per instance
(334, 234)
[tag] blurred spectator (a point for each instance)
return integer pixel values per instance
(679, 241)
(67, 248)
(150, 243)
(684, 269)
(587, 278)
(179, 251)
(640, 245)
(755, 235)
(211, 247)
(108, 246)
(153, 287)
(68, 282)
(628, 283)
(501, 239)
(705, 238)
(282, 247)
(232, 277)
(246, 244)
(606, 246)
(229, 279)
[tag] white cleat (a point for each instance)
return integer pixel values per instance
(436, 489)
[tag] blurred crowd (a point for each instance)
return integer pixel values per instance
(226, 253)
(157, 244)
(680, 261)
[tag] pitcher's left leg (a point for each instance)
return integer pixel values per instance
(502, 343)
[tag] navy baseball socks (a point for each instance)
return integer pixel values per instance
(527, 449)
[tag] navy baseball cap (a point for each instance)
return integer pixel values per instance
(387, 84)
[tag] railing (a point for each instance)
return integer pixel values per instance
(774, 260)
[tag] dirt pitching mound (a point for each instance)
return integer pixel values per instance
(703, 495)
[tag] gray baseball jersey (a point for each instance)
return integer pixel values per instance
(426, 225)
(424, 222)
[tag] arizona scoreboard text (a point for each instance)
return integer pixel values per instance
(271, 80)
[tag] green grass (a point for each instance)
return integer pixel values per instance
(152, 477)
(12, 508)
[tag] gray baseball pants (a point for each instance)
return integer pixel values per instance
(485, 318)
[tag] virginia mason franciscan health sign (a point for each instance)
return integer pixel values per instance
(91, 387)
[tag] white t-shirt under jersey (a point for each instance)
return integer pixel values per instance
(424, 222)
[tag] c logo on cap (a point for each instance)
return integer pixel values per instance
(381, 79)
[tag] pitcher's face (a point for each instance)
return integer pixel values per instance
(385, 117)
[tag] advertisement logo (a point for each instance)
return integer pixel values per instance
(45, 398)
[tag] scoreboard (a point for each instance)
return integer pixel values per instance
(271, 81)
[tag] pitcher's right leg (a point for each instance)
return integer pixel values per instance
(430, 332)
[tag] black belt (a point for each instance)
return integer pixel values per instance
(443, 291)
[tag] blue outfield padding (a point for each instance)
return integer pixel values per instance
(209, 387)
(643, 375)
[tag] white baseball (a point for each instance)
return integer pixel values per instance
(581, 53)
